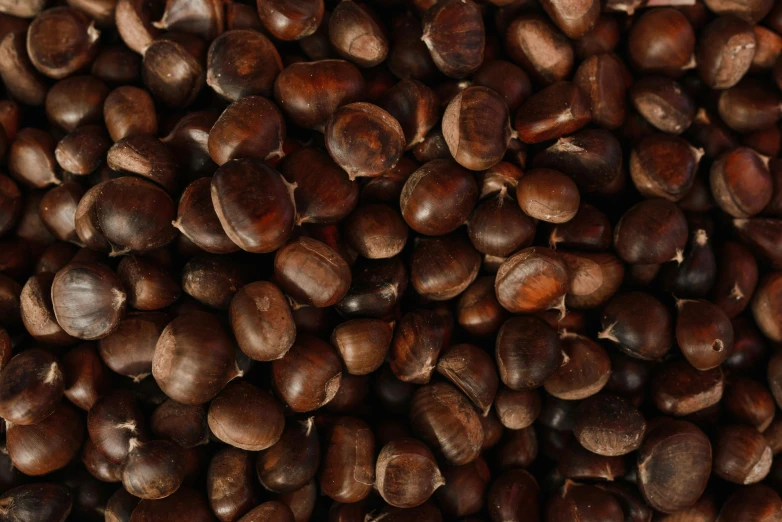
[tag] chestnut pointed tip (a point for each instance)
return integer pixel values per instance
(608, 333)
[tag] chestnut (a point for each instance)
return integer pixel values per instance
(252, 127)
(443, 267)
(376, 231)
(406, 473)
(472, 370)
(517, 410)
(476, 127)
(57, 210)
(230, 484)
(577, 463)
(310, 92)
(112, 422)
(653, 231)
(129, 111)
(506, 79)
(21, 79)
(756, 502)
(478, 310)
(262, 322)
(86, 378)
(749, 402)
(138, 220)
(88, 300)
(674, 40)
(444, 418)
(39, 449)
(10, 204)
(194, 358)
(31, 159)
(347, 472)
(363, 344)
(153, 470)
(198, 221)
(37, 313)
(664, 166)
(679, 389)
(438, 197)
(147, 157)
(584, 502)
(704, 333)
(674, 464)
(585, 369)
(534, 43)
(181, 423)
(293, 460)
(725, 51)
(203, 18)
(597, 78)
(740, 182)
(291, 20)
(609, 425)
(589, 229)
(517, 448)
(226, 70)
(541, 355)
(212, 280)
(356, 34)
(185, 504)
(548, 195)
(464, 491)
(750, 12)
(148, 285)
(663, 103)
(272, 511)
(326, 279)
(417, 342)
(76, 101)
(639, 324)
(514, 496)
(308, 376)
(61, 41)
(116, 64)
(379, 151)
(246, 417)
(455, 36)
(559, 109)
(83, 150)
(741, 454)
(173, 70)
(766, 303)
(31, 386)
(762, 236)
(749, 106)
(532, 280)
(47, 501)
(376, 288)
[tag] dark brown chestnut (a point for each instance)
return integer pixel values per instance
(252, 127)
(443, 267)
(377, 287)
(674, 40)
(406, 473)
(382, 143)
(725, 51)
(541, 355)
(640, 324)
(540, 48)
(203, 18)
(472, 370)
(83, 150)
(514, 496)
(19, 76)
(376, 231)
(751, 11)
(585, 503)
(86, 378)
(741, 454)
(212, 280)
(577, 463)
(31, 386)
(478, 310)
(749, 402)
(116, 64)
(749, 106)
(262, 322)
(417, 342)
(76, 101)
(37, 314)
(185, 503)
(559, 109)
(609, 425)
(153, 470)
(444, 418)
(517, 410)
(290, 463)
(597, 78)
(585, 369)
(674, 464)
(194, 358)
(653, 231)
(198, 221)
(678, 389)
(230, 484)
(129, 111)
(308, 376)
(756, 502)
(57, 210)
(363, 344)
(326, 279)
(532, 280)
(39, 449)
(147, 157)
(464, 491)
(704, 333)
(149, 286)
(310, 92)
(173, 69)
(438, 197)
(506, 79)
(548, 195)
(227, 67)
(762, 237)
(767, 304)
(347, 472)
(137, 220)
(291, 20)
(357, 35)
(741, 183)
(61, 41)
(47, 501)
(181, 423)
(461, 56)
(246, 417)
(31, 159)
(272, 511)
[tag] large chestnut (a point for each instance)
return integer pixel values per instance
(153, 470)
(532, 280)
(311, 273)
(113, 421)
(309, 375)
(455, 36)
(406, 473)
(262, 322)
(347, 473)
(31, 386)
(230, 484)
(528, 351)
(252, 127)
(246, 417)
(290, 463)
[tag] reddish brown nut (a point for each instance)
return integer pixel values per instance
(356, 34)
(674, 42)
(609, 425)
(679, 389)
(262, 322)
(532, 280)
(597, 78)
(517, 410)
(472, 370)
(704, 333)
(653, 231)
(61, 41)
(252, 127)
(291, 20)
(311, 273)
(664, 166)
(455, 36)
(748, 106)
(575, 19)
(585, 369)
(583, 502)
(557, 110)
(541, 356)
(406, 473)
(443, 267)
(227, 69)
(19, 76)
(246, 417)
(741, 454)
(129, 111)
(535, 44)
(725, 51)
(741, 182)
(76, 101)
(548, 195)
(148, 285)
(767, 304)
(380, 147)
(674, 464)
(254, 204)
(347, 472)
(309, 375)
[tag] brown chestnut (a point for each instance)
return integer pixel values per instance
(61, 41)
(741, 454)
(356, 34)
(585, 369)
(559, 109)
(472, 370)
(31, 386)
(347, 472)
(674, 40)
(227, 67)
(534, 43)
(609, 425)
(149, 286)
(532, 280)
(455, 36)
(679, 389)
(741, 183)
(262, 322)
(406, 473)
(326, 279)
(129, 111)
(704, 333)
(252, 127)
(289, 464)
(363, 344)
(153, 470)
(86, 378)
(309, 375)
(528, 351)
(653, 231)
(246, 417)
(57, 210)
(230, 485)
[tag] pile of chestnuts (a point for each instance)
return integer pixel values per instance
(390, 260)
